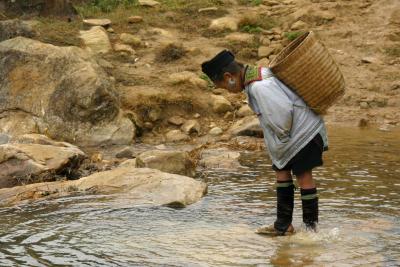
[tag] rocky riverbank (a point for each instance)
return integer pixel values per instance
(77, 92)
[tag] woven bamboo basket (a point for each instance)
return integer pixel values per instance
(306, 66)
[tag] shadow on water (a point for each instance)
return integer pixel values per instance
(360, 206)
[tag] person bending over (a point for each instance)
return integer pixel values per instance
(294, 135)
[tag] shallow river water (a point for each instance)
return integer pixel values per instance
(359, 189)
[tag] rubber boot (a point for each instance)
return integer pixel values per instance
(285, 204)
(309, 199)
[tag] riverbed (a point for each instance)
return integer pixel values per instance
(359, 190)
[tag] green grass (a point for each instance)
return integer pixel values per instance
(255, 24)
(393, 51)
(293, 35)
(250, 2)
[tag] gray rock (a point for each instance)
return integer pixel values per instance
(176, 120)
(127, 152)
(216, 131)
(176, 136)
(191, 126)
(130, 39)
(248, 126)
(265, 51)
(220, 104)
(131, 163)
(220, 158)
(30, 163)
(96, 39)
(71, 97)
(177, 162)
(225, 23)
(130, 185)
(244, 111)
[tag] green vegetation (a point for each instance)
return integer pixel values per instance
(393, 51)
(210, 84)
(250, 2)
(293, 35)
(59, 32)
(255, 24)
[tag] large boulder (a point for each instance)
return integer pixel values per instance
(177, 162)
(62, 89)
(131, 185)
(30, 163)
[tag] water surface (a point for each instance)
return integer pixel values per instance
(359, 189)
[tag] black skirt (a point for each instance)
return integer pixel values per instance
(307, 158)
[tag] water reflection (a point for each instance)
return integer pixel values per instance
(360, 208)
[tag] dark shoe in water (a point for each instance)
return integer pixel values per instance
(270, 230)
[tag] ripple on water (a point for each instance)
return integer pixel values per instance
(359, 215)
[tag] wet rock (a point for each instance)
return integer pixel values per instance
(248, 126)
(225, 23)
(220, 104)
(216, 131)
(97, 22)
(191, 126)
(30, 163)
(131, 185)
(187, 77)
(135, 19)
(219, 158)
(176, 120)
(4, 138)
(62, 92)
(96, 39)
(299, 25)
(176, 136)
(148, 3)
(244, 111)
(177, 162)
(127, 152)
(12, 28)
(124, 48)
(130, 39)
(240, 37)
(265, 51)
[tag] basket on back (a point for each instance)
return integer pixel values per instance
(306, 66)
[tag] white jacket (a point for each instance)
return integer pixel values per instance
(287, 122)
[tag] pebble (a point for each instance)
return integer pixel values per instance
(149, 3)
(208, 9)
(176, 120)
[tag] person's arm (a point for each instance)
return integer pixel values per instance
(276, 109)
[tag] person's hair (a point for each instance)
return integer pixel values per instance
(234, 67)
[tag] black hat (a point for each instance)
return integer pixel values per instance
(214, 66)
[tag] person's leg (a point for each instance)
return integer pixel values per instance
(285, 201)
(309, 199)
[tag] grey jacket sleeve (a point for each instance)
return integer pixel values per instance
(276, 109)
